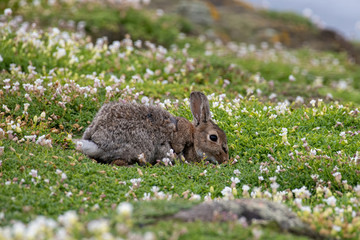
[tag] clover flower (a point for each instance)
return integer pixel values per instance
(256, 192)
(263, 169)
(235, 180)
(99, 226)
(124, 209)
(282, 108)
(161, 195)
(155, 189)
(145, 100)
(292, 78)
(167, 102)
(301, 193)
(203, 173)
(272, 96)
(207, 198)
(312, 102)
(61, 52)
(283, 133)
(8, 12)
(195, 197)
(171, 154)
(337, 176)
(44, 142)
(272, 116)
(299, 100)
(34, 173)
(142, 158)
(63, 176)
(146, 197)
(357, 190)
(227, 193)
(68, 219)
(166, 161)
(331, 201)
(313, 152)
(245, 189)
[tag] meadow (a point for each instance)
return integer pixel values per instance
(291, 118)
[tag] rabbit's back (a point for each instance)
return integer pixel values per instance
(126, 130)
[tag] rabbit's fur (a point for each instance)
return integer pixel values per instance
(128, 133)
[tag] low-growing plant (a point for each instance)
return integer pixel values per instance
(286, 145)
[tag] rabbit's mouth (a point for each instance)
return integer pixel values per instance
(205, 157)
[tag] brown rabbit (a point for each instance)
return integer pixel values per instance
(127, 133)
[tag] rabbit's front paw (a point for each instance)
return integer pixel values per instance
(119, 162)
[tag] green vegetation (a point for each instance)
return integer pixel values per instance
(289, 17)
(291, 118)
(111, 20)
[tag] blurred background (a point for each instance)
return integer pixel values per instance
(322, 25)
(328, 25)
(343, 16)
(315, 42)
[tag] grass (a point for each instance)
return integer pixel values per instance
(291, 17)
(286, 144)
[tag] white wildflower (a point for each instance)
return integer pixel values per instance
(146, 197)
(149, 71)
(68, 219)
(227, 193)
(272, 96)
(330, 201)
(313, 152)
(292, 78)
(8, 12)
(34, 173)
(312, 102)
(124, 209)
(195, 197)
(299, 100)
(145, 100)
(135, 181)
(63, 176)
(272, 116)
(99, 226)
(357, 190)
(166, 161)
(155, 189)
(61, 52)
(235, 180)
(336, 228)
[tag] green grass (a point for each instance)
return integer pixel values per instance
(312, 146)
(289, 17)
(111, 20)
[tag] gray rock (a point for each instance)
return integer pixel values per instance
(253, 210)
(196, 12)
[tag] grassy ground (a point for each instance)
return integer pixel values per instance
(291, 118)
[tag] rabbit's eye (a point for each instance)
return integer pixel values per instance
(213, 138)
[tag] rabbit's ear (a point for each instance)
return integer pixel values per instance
(200, 108)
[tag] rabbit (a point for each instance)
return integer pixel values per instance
(125, 133)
